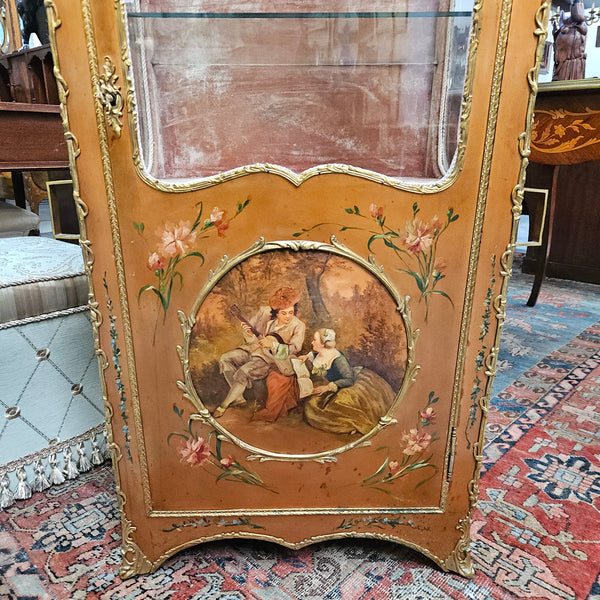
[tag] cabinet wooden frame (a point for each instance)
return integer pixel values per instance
(166, 442)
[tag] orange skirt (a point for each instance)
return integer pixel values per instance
(282, 395)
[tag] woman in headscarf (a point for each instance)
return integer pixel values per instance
(344, 400)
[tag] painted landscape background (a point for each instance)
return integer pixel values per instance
(335, 292)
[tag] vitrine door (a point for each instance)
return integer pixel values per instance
(298, 219)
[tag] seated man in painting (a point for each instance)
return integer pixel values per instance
(271, 338)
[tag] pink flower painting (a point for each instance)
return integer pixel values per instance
(194, 452)
(156, 262)
(428, 416)
(414, 245)
(411, 452)
(178, 242)
(376, 211)
(418, 237)
(416, 441)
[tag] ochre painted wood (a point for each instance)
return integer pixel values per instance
(179, 482)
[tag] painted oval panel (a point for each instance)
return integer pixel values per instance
(298, 353)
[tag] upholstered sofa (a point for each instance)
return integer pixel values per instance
(16, 221)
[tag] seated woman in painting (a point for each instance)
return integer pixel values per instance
(343, 400)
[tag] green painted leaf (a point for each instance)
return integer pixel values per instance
(441, 294)
(381, 469)
(145, 288)
(181, 435)
(381, 236)
(194, 253)
(416, 277)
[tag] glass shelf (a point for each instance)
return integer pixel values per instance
(300, 15)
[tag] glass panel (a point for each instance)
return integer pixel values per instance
(375, 85)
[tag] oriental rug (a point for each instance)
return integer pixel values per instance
(536, 531)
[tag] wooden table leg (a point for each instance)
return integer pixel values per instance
(544, 249)
(18, 188)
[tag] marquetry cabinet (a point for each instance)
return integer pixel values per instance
(298, 220)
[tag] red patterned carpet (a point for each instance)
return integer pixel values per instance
(537, 530)
(536, 533)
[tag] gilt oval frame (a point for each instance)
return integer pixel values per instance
(188, 322)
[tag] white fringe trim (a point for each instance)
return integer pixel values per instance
(36, 472)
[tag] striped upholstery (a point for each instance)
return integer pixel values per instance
(39, 275)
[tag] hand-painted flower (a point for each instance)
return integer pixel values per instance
(436, 224)
(227, 462)
(418, 238)
(222, 227)
(428, 416)
(217, 215)
(394, 466)
(194, 452)
(440, 265)
(416, 441)
(376, 211)
(217, 218)
(176, 239)
(156, 262)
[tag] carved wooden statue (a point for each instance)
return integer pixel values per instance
(569, 44)
(33, 15)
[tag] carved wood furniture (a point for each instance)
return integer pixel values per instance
(30, 125)
(565, 160)
(300, 164)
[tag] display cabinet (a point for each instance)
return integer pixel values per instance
(298, 220)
